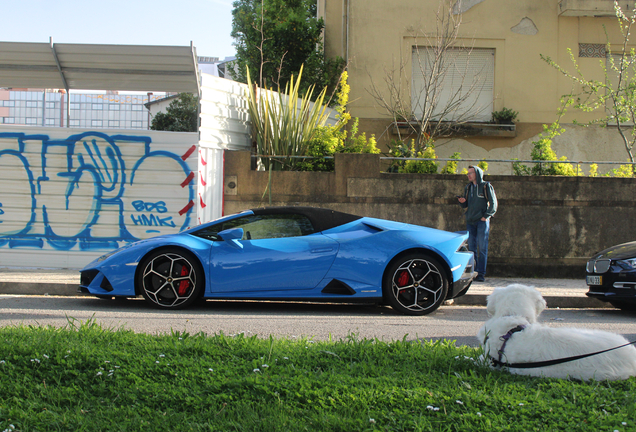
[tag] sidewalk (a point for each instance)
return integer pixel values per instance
(562, 293)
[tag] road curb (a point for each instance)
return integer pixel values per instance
(469, 299)
(565, 302)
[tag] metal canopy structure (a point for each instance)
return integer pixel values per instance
(99, 67)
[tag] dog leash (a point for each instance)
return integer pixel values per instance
(531, 365)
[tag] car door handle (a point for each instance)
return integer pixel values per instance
(322, 250)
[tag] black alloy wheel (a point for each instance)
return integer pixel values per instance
(415, 284)
(170, 279)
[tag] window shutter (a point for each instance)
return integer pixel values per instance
(465, 87)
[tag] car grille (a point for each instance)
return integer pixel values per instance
(86, 277)
(598, 266)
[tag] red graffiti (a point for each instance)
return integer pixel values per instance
(188, 180)
(203, 162)
(202, 203)
(189, 152)
(186, 208)
(203, 182)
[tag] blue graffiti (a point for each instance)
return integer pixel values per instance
(85, 176)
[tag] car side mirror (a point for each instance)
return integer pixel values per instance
(232, 237)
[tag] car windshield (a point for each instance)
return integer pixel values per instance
(262, 227)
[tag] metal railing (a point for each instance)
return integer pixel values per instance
(512, 162)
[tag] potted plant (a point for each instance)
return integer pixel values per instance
(505, 116)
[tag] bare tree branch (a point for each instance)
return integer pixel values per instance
(446, 95)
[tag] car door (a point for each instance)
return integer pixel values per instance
(278, 252)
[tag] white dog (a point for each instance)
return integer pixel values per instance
(513, 329)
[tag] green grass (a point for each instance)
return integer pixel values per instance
(85, 377)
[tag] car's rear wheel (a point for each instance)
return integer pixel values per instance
(415, 284)
(170, 279)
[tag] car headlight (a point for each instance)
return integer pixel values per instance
(628, 264)
(463, 247)
(111, 253)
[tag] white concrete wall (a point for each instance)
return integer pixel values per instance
(224, 126)
(68, 196)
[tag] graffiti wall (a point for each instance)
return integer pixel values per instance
(68, 196)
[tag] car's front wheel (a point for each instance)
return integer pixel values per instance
(170, 279)
(415, 284)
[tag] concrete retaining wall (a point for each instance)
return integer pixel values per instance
(545, 226)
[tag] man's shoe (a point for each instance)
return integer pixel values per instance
(480, 278)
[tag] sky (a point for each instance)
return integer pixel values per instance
(207, 23)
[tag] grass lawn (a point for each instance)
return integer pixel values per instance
(88, 378)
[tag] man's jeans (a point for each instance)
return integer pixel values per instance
(478, 244)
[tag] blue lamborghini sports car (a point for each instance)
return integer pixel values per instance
(290, 253)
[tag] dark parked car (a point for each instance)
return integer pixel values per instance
(611, 276)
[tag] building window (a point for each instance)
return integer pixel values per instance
(113, 123)
(465, 88)
(8, 103)
(75, 106)
(137, 124)
(96, 123)
(50, 105)
(96, 106)
(32, 104)
(137, 107)
(8, 120)
(31, 120)
(113, 107)
(74, 123)
(50, 122)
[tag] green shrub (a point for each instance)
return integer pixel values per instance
(622, 171)
(594, 170)
(451, 166)
(542, 151)
(329, 140)
(520, 169)
(421, 167)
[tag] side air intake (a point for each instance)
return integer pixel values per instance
(338, 287)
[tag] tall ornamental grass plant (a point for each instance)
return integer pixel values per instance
(283, 124)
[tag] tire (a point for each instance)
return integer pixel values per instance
(170, 279)
(415, 284)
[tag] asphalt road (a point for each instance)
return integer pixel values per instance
(292, 320)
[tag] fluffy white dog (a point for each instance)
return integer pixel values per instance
(513, 330)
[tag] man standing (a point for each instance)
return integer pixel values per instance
(481, 201)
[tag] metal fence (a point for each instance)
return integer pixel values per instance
(512, 162)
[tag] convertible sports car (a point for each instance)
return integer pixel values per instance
(611, 276)
(290, 253)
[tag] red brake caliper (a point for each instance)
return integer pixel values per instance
(184, 284)
(403, 279)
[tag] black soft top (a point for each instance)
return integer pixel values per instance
(322, 219)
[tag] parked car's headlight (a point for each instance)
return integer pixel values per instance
(111, 253)
(628, 264)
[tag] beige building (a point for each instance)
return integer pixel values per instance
(507, 40)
